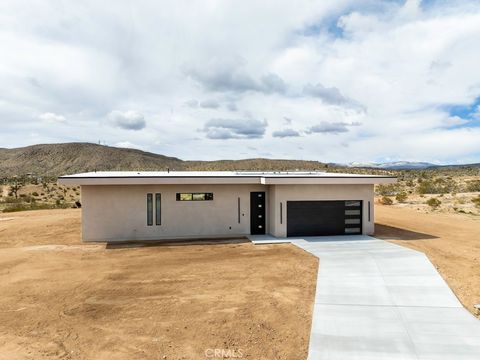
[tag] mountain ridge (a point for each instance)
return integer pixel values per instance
(69, 158)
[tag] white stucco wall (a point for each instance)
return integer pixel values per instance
(283, 193)
(118, 212)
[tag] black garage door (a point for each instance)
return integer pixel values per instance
(316, 218)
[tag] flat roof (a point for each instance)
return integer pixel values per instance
(225, 177)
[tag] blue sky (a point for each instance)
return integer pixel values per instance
(337, 81)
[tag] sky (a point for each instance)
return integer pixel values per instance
(334, 81)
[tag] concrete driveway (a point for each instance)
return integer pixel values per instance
(378, 300)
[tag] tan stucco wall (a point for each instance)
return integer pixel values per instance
(119, 212)
(284, 193)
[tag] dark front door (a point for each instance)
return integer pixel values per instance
(257, 213)
(316, 218)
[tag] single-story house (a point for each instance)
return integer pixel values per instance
(202, 204)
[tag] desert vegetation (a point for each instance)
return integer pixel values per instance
(455, 190)
(28, 192)
(28, 176)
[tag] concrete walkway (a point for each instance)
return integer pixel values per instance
(378, 300)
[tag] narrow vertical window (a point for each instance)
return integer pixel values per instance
(158, 209)
(149, 209)
(238, 208)
(281, 213)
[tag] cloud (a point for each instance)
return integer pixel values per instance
(309, 59)
(331, 127)
(232, 106)
(455, 121)
(272, 83)
(128, 120)
(224, 76)
(128, 145)
(328, 95)
(235, 129)
(232, 76)
(52, 118)
(191, 103)
(287, 120)
(209, 104)
(285, 133)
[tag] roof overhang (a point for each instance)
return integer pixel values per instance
(198, 178)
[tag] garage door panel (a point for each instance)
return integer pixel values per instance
(317, 218)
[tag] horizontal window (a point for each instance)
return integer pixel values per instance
(352, 212)
(352, 221)
(194, 196)
(352, 203)
(352, 230)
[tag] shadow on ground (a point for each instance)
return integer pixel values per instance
(393, 233)
(151, 243)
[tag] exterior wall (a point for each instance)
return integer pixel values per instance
(283, 193)
(119, 212)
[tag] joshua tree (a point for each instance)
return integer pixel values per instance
(14, 188)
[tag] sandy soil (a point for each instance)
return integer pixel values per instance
(63, 299)
(451, 241)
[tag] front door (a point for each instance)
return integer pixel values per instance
(257, 213)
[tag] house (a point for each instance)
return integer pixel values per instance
(184, 204)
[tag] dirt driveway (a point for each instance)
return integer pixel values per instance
(63, 299)
(451, 241)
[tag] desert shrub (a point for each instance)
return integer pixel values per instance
(473, 186)
(387, 190)
(476, 201)
(433, 203)
(437, 186)
(385, 200)
(401, 197)
(12, 200)
(33, 206)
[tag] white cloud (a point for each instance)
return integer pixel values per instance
(285, 133)
(394, 67)
(52, 118)
(128, 145)
(235, 129)
(128, 120)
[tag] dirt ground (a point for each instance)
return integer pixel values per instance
(64, 299)
(451, 241)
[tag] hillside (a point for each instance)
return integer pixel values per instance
(69, 158)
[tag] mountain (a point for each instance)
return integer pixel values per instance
(70, 158)
(397, 165)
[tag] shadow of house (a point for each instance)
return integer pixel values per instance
(173, 242)
(387, 232)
